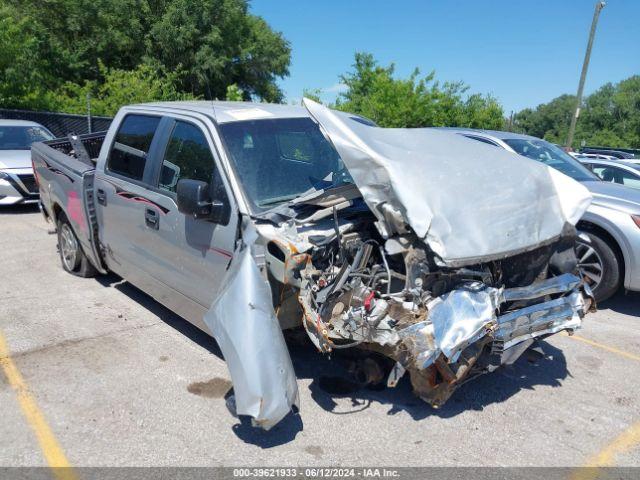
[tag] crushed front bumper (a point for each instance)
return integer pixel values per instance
(476, 328)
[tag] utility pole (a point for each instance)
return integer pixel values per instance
(585, 65)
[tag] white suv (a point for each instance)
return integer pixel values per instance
(17, 183)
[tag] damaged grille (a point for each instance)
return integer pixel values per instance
(443, 326)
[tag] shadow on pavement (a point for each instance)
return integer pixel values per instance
(333, 388)
(19, 209)
(474, 395)
(623, 302)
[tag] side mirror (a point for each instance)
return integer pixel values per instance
(194, 199)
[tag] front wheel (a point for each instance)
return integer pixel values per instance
(600, 266)
(72, 257)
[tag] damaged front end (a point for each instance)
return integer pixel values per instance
(446, 256)
(444, 326)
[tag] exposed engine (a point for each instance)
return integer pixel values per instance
(443, 326)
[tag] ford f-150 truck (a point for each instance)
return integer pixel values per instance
(443, 256)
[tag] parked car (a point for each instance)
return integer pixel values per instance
(611, 257)
(617, 171)
(17, 184)
(586, 156)
(609, 152)
(245, 219)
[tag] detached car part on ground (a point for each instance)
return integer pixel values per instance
(447, 257)
(447, 269)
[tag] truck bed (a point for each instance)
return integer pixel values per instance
(64, 169)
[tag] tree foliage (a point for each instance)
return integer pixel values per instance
(117, 88)
(51, 49)
(375, 92)
(608, 117)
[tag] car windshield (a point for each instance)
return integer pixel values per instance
(553, 156)
(276, 160)
(21, 137)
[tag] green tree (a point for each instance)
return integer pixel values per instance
(375, 92)
(115, 89)
(205, 44)
(313, 94)
(234, 93)
(610, 116)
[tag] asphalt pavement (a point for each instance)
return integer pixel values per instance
(117, 379)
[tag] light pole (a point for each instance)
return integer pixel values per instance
(585, 65)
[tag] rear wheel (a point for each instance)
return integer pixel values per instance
(72, 257)
(599, 265)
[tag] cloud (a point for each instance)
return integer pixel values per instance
(335, 88)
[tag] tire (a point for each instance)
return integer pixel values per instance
(600, 266)
(72, 257)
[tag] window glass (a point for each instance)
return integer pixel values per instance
(278, 159)
(188, 156)
(617, 175)
(129, 152)
(552, 156)
(295, 146)
(21, 138)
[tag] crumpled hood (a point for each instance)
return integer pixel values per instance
(468, 201)
(15, 159)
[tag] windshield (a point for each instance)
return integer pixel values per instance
(21, 137)
(277, 160)
(553, 156)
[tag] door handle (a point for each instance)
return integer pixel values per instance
(102, 197)
(151, 218)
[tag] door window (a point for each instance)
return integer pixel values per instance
(187, 156)
(128, 155)
(617, 175)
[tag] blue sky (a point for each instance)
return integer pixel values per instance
(523, 52)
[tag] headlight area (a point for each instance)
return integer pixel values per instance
(636, 219)
(17, 188)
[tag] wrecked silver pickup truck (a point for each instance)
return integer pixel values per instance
(447, 257)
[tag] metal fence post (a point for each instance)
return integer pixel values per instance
(89, 112)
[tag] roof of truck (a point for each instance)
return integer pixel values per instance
(224, 112)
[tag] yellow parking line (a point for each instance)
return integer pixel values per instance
(50, 447)
(623, 443)
(617, 351)
(629, 439)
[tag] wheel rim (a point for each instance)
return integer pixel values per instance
(590, 264)
(68, 247)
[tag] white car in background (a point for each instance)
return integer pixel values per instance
(611, 258)
(615, 171)
(17, 183)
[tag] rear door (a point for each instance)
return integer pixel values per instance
(189, 256)
(121, 192)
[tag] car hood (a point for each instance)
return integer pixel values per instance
(615, 196)
(469, 202)
(15, 159)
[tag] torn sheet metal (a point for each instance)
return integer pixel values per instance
(244, 324)
(470, 202)
(563, 313)
(462, 316)
(465, 315)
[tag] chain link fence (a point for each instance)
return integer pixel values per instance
(60, 124)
